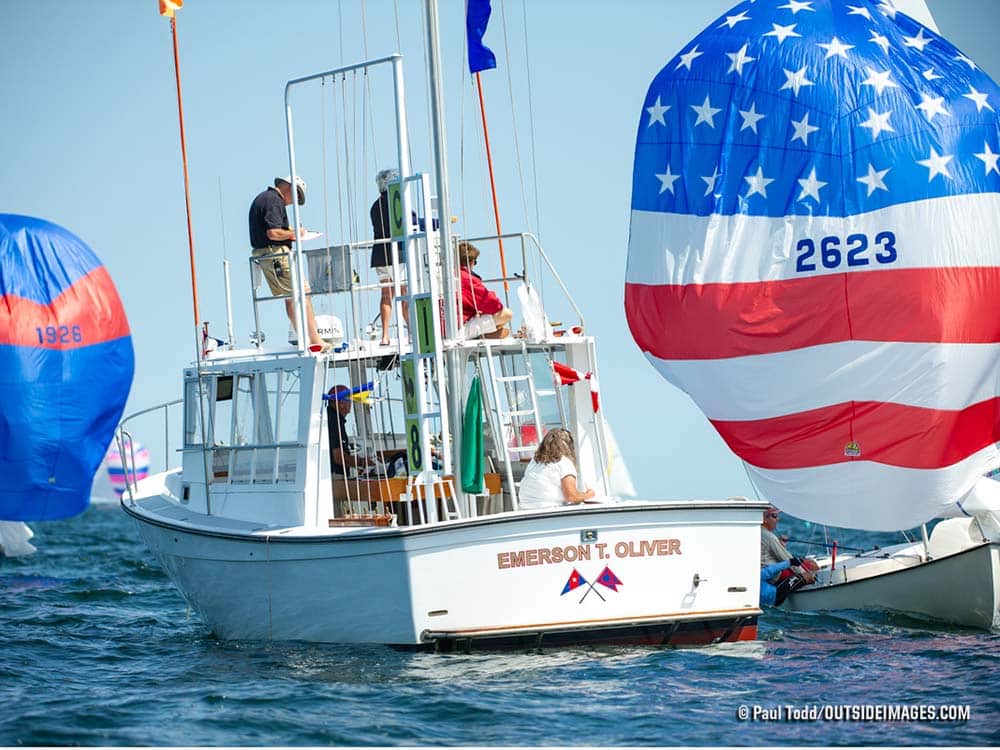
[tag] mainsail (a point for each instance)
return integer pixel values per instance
(813, 254)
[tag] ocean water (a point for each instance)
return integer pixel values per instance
(98, 648)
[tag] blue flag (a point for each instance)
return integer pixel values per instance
(477, 15)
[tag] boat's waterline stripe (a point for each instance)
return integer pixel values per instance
(934, 376)
(86, 313)
(679, 617)
(894, 434)
(679, 249)
(711, 321)
(841, 494)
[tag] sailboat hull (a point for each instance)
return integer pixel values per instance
(648, 573)
(962, 588)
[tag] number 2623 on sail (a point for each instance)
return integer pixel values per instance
(854, 250)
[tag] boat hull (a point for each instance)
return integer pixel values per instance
(635, 573)
(962, 588)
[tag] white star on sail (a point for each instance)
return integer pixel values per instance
(878, 122)
(706, 113)
(874, 179)
(930, 75)
(919, 41)
(739, 59)
(733, 20)
(750, 117)
(689, 57)
(758, 182)
(836, 47)
(796, 5)
(782, 32)
(989, 159)
(932, 105)
(962, 58)
(710, 181)
(667, 180)
(881, 41)
(811, 186)
(803, 129)
(796, 80)
(888, 9)
(936, 163)
(979, 98)
(878, 81)
(656, 113)
(857, 10)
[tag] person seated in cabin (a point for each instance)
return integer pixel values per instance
(270, 235)
(342, 452)
(483, 315)
(773, 553)
(550, 479)
(382, 251)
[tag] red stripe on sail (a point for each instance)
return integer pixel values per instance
(88, 312)
(895, 434)
(713, 321)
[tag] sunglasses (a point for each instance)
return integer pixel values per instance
(772, 515)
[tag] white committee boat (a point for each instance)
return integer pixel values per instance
(265, 542)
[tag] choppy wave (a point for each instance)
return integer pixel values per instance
(100, 649)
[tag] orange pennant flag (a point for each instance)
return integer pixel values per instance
(167, 7)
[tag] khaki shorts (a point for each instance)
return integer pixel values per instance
(276, 270)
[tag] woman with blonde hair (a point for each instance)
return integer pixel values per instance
(550, 478)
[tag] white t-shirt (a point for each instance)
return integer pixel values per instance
(541, 486)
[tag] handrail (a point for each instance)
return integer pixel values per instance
(123, 437)
(166, 424)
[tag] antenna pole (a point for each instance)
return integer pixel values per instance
(450, 291)
(493, 191)
(187, 182)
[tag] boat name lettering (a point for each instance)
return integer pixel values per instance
(854, 251)
(598, 550)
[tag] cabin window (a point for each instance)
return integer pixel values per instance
(252, 424)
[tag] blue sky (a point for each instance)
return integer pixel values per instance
(89, 140)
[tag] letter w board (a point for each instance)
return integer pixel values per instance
(422, 365)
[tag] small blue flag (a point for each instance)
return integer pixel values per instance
(477, 15)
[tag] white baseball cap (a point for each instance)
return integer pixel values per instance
(300, 184)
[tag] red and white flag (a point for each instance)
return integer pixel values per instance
(566, 375)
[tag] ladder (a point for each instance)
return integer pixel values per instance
(506, 417)
(422, 365)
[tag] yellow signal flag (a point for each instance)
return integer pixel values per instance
(364, 398)
(167, 7)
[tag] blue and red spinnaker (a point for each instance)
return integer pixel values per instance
(66, 366)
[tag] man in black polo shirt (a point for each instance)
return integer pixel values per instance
(270, 235)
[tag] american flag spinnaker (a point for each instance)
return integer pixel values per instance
(813, 254)
(66, 365)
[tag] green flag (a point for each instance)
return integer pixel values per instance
(472, 441)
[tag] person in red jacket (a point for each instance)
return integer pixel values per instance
(483, 315)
